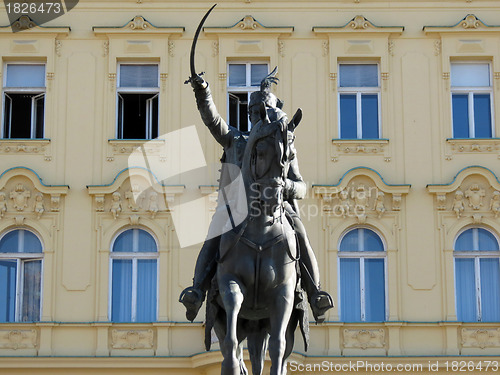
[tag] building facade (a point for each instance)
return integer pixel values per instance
(108, 178)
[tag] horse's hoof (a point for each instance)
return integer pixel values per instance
(192, 299)
(320, 304)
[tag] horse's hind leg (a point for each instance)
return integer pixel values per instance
(257, 343)
(232, 297)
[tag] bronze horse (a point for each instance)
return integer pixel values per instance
(257, 269)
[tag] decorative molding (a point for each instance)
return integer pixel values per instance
(390, 47)
(358, 24)
(368, 147)
(112, 80)
(18, 339)
(470, 23)
(364, 338)
(249, 24)
(474, 193)
(281, 48)
(124, 147)
(326, 47)
(215, 48)
(137, 25)
(28, 26)
(480, 338)
(171, 48)
(26, 146)
(58, 47)
(456, 146)
(437, 47)
(105, 48)
(132, 339)
(163, 78)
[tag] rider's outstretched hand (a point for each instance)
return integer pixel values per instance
(197, 82)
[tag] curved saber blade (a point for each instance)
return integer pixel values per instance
(193, 46)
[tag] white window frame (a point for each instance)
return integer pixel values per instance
(470, 91)
(41, 91)
(134, 256)
(358, 91)
(248, 88)
(477, 256)
(21, 258)
(138, 90)
(362, 255)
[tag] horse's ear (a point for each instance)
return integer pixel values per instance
(295, 120)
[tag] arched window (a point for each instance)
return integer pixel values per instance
(20, 276)
(134, 280)
(362, 284)
(477, 276)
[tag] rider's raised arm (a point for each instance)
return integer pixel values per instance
(208, 111)
(295, 187)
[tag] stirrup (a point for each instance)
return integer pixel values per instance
(192, 299)
(321, 302)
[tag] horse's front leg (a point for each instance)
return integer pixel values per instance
(282, 306)
(232, 298)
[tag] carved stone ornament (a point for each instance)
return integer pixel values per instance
(20, 197)
(23, 23)
(495, 203)
(99, 202)
(364, 338)
(3, 204)
(132, 197)
(475, 195)
(359, 22)
(39, 208)
(480, 337)
(379, 204)
(132, 339)
(458, 203)
(471, 22)
(116, 204)
(153, 207)
(18, 339)
(139, 23)
(248, 23)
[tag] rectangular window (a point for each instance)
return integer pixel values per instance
(243, 79)
(23, 101)
(471, 99)
(359, 101)
(137, 101)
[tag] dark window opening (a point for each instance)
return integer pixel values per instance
(23, 115)
(238, 111)
(137, 116)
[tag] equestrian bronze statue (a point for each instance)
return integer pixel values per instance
(257, 260)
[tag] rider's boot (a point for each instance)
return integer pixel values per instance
(192, 298)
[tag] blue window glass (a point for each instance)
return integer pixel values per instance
(350, 290)
(374, 290)
(134, 277)
(362, 277)
(358, 75)
(482, 116)
(257, 73)
(490, 290)
(348, 117)
(465, 290)
(8, 271)
(146, 290)
(460, 104)
(121, 304)
(132, 75)
(477, 276)
(237, 75)
(20, 241)
(369, 113)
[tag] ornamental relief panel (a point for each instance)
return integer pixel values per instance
(27, 147)
(16, 339)
(364, 338)
(474, 197)
(132, 339)
(480, 338)
(23, 198)
(349, 147)
(456, 147)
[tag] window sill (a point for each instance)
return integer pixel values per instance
(30, 146)
(472, 146)
(347, 146)
(125, 147)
